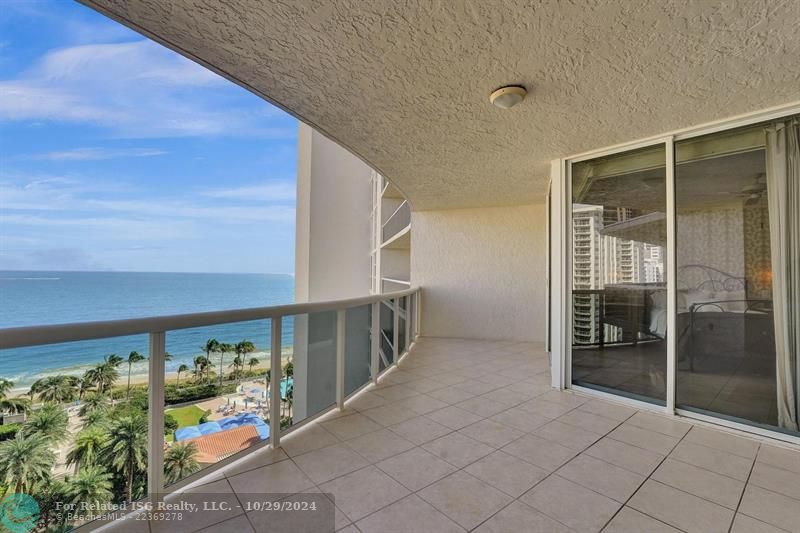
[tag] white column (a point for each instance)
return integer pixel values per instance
(671, 271)
(275, 385)
(341, 316)
(408, 322)
(559, 264)
(376, 341)
(155, 422)
(395, 330)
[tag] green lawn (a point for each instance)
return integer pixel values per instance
(186, 416)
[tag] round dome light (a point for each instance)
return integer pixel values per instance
(508, 96)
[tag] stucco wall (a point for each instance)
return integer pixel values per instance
(482, 271)
(334, 200)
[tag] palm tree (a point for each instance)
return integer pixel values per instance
(223, 349)
(244, 348)
(93, 402)
(50, 421)
(253, 362)
(168, 356)
(133, 357)
(103, 375)
(126, 449)
(182, 368)
(235, 365)
(211, 346)
(11, 405)
(200, 363)
(180, 461)
(24, 461)
(91, 486)
(95, 418)
(87, 447)
(56, 389)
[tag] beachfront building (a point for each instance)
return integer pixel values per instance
(600, 331)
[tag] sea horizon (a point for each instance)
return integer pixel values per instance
(59, 296)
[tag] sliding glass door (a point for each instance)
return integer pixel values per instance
(619, 312)
(698, 236)
(727, 363)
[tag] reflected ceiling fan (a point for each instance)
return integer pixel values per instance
(752, 192)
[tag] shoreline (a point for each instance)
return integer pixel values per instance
(141, 376)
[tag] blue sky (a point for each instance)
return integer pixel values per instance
(116, 153)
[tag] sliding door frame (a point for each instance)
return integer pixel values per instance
(561, 320)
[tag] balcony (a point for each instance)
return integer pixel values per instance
(435, 446)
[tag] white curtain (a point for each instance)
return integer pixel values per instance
(783, 191)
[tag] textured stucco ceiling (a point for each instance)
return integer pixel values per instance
(405, 84)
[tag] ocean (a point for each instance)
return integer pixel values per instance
(38, 298)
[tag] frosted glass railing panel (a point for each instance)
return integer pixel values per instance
(309, 378)
(216, 382)
(403, 316)
(387, 334)
(398, 221)
(357, 356)
(70, 412)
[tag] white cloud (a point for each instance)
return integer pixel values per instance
(95, 154)
(137, 89)
(276, 191)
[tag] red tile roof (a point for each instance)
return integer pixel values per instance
(217, 446)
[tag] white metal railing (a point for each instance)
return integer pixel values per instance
(157, 328)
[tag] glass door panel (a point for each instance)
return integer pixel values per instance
(619, 304)
(726, 357)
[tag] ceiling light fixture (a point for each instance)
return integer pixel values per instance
(508, 96)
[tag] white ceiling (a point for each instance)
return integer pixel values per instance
(405, 84)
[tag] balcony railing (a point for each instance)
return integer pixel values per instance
(397, 221)
(347, 344)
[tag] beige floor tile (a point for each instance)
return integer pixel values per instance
(564, 398)
(349, 427)
(420, 430)
(263, 457)
(589, 421)
(660, 424)
(410, 515)
(416, 468)
(567, 435)
(681, 509)
(770, 507)
(717, 461)
(630, 520)
(644, 438)
(776, 479)
(519, 517)
(520, 419)
(454, 417)
(239, 524)
(492, 433)
(327, 463)
(624, 455)
(379, 445)
(720, 440)
(219, 492)
(458, 450)
(608, 410)
(476, 387)
(482, 406)
(421, 404)
(465, 499)
(366, 400)
(283, 477)
(389, 414)
(780, 457)
(424, 385)
(540, 452)
(321, 515)
(571, 504)
(507, 397)
(744, 524)
(451, 394)
(364, 491)
(306, 439)
(393, 393)
(542, 407)
(510, 474)
(703, 483)
(612, 481)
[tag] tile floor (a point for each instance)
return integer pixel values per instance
(469, 436)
